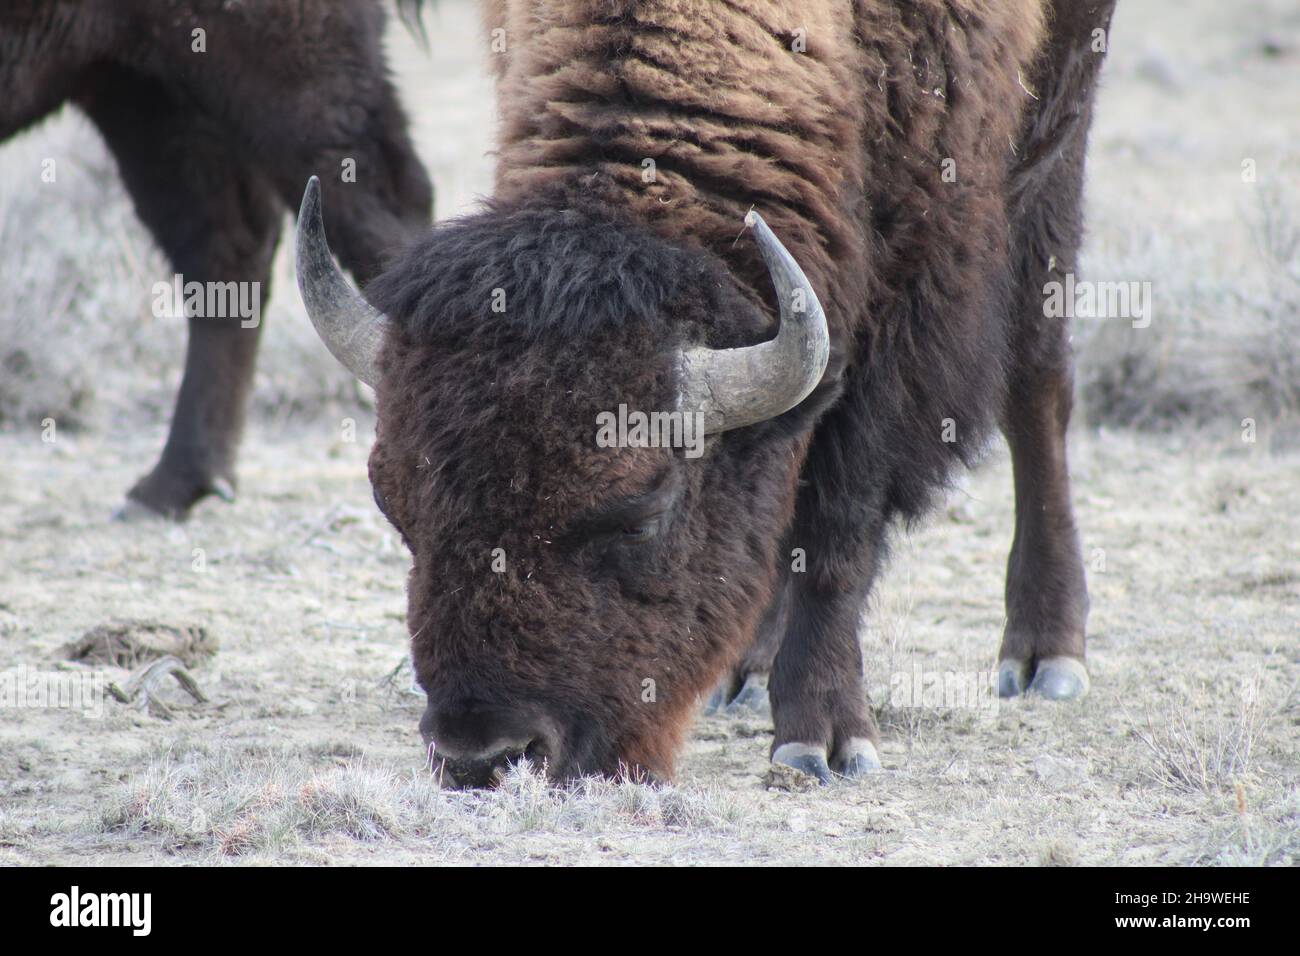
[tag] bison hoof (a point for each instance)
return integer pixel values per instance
(131, 511)
(752, 699)
(806, 758)
(1060, 678)
(857, 758)
(169, 496)
(1013, 677)
(1056, 678)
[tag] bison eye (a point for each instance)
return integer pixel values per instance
(382, 504)
(641, 532)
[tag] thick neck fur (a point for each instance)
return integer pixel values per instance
(825, 115)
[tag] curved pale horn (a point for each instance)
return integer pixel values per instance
(738, 387)
(350, 327)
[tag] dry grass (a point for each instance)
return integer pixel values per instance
(1197, 753)
(228, 801)
(1221, 347)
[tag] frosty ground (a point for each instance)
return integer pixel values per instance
(306, 748)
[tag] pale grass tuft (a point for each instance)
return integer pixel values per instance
(232, 803)
(1252, 838)
(1204, 755)
(1057, 853)
(525, 802)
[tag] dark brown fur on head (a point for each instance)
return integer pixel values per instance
(617, 566)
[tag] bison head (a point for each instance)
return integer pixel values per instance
(572, 596)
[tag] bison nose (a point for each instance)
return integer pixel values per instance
(474, 746)
(480, 769)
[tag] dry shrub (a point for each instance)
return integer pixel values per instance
(1213, 755)
(1220, 349)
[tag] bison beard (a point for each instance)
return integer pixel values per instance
(922, 162)
(211, 144)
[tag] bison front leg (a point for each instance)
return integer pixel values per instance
(218, 223)
(824, 725)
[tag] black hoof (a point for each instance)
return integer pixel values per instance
(805, 758)
(1060, 678)
(752, 699)
(857, 759)
(172, 495)
(1013, 677)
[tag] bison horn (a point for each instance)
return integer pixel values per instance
(737, 387)
(351, 328)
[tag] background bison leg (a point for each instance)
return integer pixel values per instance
(376, 194)
(370, 219)
(745, 689)
(1046, 592)
(823, 722)
(217, 221)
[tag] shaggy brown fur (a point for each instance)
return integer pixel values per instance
(211, 146)
(628, 569)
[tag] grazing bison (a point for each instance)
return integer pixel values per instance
(921, 162)
(216, 113)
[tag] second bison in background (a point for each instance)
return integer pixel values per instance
(216, 113)
(922, 161)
